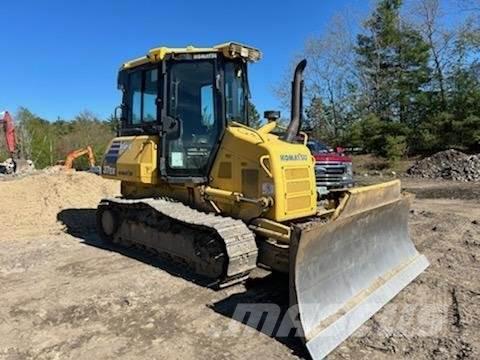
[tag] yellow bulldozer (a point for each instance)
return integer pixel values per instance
(199, 185)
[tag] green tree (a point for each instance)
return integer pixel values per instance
(393, 62)
(411, 81)
(372, 130)
(47, 142)
(85, 129)
(253, 116)
(396, 148)
(36, 138)
(319, 120)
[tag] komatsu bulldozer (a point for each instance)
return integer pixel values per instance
(201, 186)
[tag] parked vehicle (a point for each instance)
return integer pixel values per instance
(333, 169)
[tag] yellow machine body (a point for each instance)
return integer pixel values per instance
(253, 201)
(132, 159)
(254, 174)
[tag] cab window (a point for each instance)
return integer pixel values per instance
(235, 92)
(143, 96)
(150, 95)
(136, 98)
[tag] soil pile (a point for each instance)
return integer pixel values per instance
(30, 204)
(448, 165)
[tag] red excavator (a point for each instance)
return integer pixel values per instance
(9, 130)
(10, 140)
(15, 162)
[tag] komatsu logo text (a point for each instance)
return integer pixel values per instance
(293, 157)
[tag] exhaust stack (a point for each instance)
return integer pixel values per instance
(297, 103)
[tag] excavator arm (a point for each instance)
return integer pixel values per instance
(9, 130)
(75, 154)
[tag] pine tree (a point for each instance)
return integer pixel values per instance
(253, 116)
(393, 61)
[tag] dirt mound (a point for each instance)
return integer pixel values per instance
(449, 165)
(30, 204)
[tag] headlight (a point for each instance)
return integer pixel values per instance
(349, 170)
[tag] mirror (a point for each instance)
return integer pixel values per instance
(122, 80)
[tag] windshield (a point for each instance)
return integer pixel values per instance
(235, 92)
(317, 147)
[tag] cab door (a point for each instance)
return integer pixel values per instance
(193, 101)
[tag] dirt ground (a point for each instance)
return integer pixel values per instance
(66, 295)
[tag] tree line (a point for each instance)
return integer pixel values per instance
(48, 142)
(406, 80)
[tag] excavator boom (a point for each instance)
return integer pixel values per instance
(75, 154)
(9, 131)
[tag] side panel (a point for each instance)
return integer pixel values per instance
(237, 169)
(293, 167)
(132, 159)
(261, 165)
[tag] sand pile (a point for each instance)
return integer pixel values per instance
(449, 165)
(31, 204)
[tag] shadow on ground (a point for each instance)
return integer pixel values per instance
(263, 306)
(260, 290)
(81, 223)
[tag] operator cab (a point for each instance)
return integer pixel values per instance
(187, 97)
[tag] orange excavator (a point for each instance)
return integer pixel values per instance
(72, 155)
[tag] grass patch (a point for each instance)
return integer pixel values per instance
(373, 165)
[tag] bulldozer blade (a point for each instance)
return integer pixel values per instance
(344, 271)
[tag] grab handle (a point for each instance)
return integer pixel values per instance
(264, 166)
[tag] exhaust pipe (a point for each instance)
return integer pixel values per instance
(297, 103)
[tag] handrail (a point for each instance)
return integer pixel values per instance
(264, 166)
(234, 123)
(305, 137)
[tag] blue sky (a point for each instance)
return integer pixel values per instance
(61, 57)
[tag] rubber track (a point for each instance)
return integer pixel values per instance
(239, 240)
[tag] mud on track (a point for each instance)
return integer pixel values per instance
(64, 294)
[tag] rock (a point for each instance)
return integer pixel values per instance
(449, 165)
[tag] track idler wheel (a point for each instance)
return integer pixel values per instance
(107, 223)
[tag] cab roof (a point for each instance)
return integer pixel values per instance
(231, 50)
